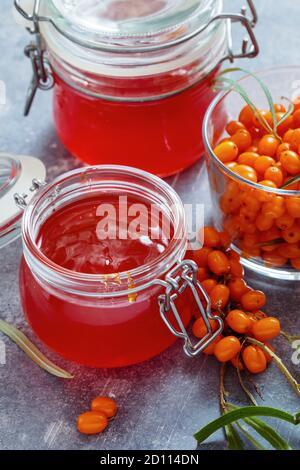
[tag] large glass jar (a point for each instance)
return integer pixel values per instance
(132, 78)
(250, 212)
(105, 301)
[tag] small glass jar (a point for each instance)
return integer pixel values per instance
(132, 78)
(237, 202)
(107, 320)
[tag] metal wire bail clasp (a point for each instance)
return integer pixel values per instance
(250, 47)
(42, 77)
(181, 277)
(21, 199)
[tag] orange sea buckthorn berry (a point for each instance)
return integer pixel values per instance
(252, 149)
(254, 359)
(237, 363)
(200, 329)
(274, 260)
(290, 250)
(238, 321)
(246, 224)
(233, 127)
(275, 208)
(260, 116)
(274, 174)
(268, 145)
(218, 263)
(266, 329)
(236, 268)
(250, 203)
(264, 196)
(293, 206)
(105, 405)
(237, 288)
(282, 148)
(290, 162)
(200, 256)
(227, 348)
(246, 217)
(208, 285)
(202, 274)
(285, 125)
(295, 138)
(253, 319)
(292, 234)
(253, 252)
(210, 350)
(296, 117)
(285, 222)
(211, 237)
(291, 186)
(264, 222)
(227, 152)
(269, 235)
(248, 158)
(231, 166)
(296, 263)
(225, 239)
(268, 356)
(219, 296)
(246, 172)
(229, 204)
(262, 163)
(246, 116)
(279, 108)
(250, 240)
(253, 300)
(233, 255)
(280, 166)
(92, 422)
(242, 139)
(260, 315)
(287, 138)
(296, 103)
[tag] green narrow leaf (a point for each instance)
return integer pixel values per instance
(265, 431)
(268, 433)
(32, 351)
(250, 438)
(266, 92)
(242, 92)
(287, 114)
(233, 439)
(241, 413)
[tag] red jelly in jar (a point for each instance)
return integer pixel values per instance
(133, 78)
(98, 243)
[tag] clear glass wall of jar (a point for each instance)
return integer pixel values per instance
(263, 248)
(132, 80)
(105, 320)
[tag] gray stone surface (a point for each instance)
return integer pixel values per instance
(164, 401)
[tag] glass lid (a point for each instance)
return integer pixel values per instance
(138, 22)
(16, 178)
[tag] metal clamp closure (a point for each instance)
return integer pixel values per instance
(42, 74)
(181, 277)
(20, 199)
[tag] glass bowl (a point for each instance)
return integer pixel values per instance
(233, 196)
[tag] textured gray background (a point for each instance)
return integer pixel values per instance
(164, 401)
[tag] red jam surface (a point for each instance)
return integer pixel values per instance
(161, 136)
(108, 332)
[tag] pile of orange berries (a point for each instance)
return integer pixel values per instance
(96, 420)
(255, 217)
(222, 276)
